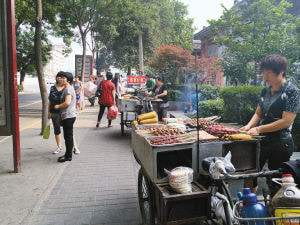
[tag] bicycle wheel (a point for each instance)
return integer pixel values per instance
(145, 196)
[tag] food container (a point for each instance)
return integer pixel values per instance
(180, 179)
(155, 159)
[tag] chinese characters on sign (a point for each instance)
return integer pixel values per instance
(136, 79)
(88, 66)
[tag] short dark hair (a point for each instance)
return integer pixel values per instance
(159, 79)
(277, 63)
(109, 76)
(69, 76)
(60, 74)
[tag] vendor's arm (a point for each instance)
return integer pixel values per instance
(165, 93)
(254, 120)
(285, 122)
(287, 118)
(65, 104)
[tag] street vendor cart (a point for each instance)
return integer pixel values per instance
(128, 108)
(159, 203)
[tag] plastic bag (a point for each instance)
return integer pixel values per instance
(46, 132)
(220, 166)
(112, 112)
(180, 179)
(217, 207)
(89, 89)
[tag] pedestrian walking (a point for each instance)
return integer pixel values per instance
(118, 86)
(92, 97)
(54, 114)
(78, 88)
(100, 78)
(107, 96)
(68, 114)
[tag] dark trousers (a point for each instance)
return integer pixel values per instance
(101, 112)
(67, 125)
(275, 151)
(92, 100)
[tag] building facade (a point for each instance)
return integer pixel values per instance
(209, 50)
(56, 63)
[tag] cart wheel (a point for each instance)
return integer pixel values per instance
(122, 124)
(145, 199)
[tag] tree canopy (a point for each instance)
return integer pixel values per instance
(160, 22)
(250, 32)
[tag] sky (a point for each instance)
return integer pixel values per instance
(199, 10)
(203, 10)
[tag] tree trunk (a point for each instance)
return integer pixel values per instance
(83, 39)
(22, 78)
(38, 63)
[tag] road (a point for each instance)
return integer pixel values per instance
(29, 105)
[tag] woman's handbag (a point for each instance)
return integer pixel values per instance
(112, 112)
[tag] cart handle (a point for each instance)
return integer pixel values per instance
(249, 175)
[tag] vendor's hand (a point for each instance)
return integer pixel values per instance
(254, 131)
(245, 128)
(56, 107)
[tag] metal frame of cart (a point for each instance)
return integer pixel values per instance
(159, 207)
(127, 108)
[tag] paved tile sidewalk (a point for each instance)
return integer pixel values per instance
(98, 186)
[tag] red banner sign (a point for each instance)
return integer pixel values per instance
(136, 79)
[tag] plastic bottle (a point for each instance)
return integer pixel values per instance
(251, 208)
(288, 195)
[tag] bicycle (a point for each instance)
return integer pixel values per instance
(220, 186)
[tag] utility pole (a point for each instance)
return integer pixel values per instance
(11, 33)
(141, 55)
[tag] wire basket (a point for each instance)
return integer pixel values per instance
(291, 220)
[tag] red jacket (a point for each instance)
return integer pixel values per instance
(107, 87)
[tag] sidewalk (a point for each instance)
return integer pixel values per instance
(97, 187)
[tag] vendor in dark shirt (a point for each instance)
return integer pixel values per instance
(160, 92)
(275, 113)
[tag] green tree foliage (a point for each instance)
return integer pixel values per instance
(160, 22)
(25, 52)
(250, 32)
(298, 31)
(83, 15)
(25, 23)
(240, 102)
